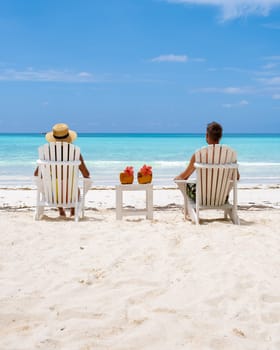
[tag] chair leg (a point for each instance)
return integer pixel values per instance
(192, 212)
(186, 209)
(196, 217)
(82, 211)
(77, 212)
(38, 212)
(36, 216)
(234, 217)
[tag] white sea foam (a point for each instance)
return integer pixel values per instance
(258, 164)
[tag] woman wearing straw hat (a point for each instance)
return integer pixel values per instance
(61, 133)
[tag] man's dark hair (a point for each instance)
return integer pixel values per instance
(214, 131)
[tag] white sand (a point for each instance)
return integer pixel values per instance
(140, 284)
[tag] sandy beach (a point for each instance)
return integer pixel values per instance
(136, 283)
(156, 90)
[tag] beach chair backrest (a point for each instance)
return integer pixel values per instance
(59, 170)
(216, 167)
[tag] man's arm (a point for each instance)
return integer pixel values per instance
(188, 171)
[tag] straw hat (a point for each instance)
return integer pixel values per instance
(60, 132)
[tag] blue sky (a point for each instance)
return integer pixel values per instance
(140, 65)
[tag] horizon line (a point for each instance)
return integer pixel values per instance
(141, 133)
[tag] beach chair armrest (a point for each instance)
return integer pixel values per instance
(38, 181)
(188, 181)
(86, 184)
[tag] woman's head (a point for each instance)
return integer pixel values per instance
(214, 132)
(61, 132)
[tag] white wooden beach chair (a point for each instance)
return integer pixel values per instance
(216, 175)
(58, 179)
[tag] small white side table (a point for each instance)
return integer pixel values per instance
(148, 211)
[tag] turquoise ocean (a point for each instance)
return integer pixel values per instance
(106, 155)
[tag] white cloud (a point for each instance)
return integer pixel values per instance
(85, 74)
(30, 74)
(272, 58)
(227, 105)
(177, 58)
(236, 8)
(212, 69)
(270, 65)
(198, 59)
(237, 104)
(271, 81)
(231, 90)
(170, 58)
(276, 96)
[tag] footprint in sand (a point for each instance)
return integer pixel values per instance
(270, 298)
(272, 308)
(271, 317)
